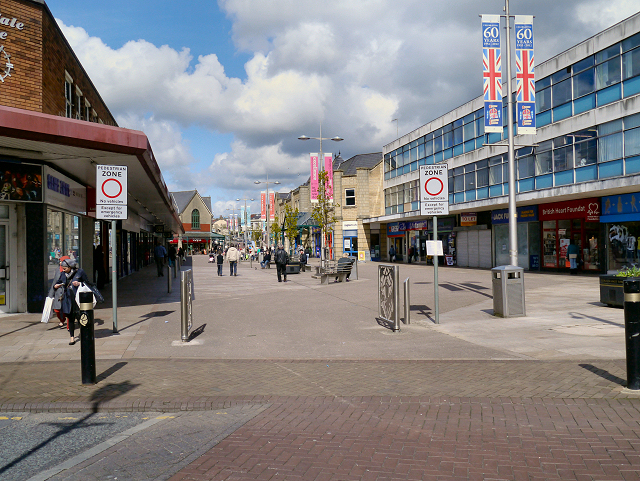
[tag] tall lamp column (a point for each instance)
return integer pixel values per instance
(257, 182)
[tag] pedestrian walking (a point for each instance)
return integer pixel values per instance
(160, 253)
(69, 280)
(392, 253)
(303, 260)
(181, 253)
(233, 256)
(172, 255)
(572, 256)
(219, 261)
(281, 258)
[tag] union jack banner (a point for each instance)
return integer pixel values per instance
(525, 78)
(492, 73)
(525, 75)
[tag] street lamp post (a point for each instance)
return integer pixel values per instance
(257, 182)
(246, 225)
(233, 212)
(321, 162)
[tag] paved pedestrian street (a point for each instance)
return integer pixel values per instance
(300, 381)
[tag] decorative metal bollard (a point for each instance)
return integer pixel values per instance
(632, 331)
(186, 296)
(388, 295)
(87, 339)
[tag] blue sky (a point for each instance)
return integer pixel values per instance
(224, 88)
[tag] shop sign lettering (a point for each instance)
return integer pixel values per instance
(58, 186)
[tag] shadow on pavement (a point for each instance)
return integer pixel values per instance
(116, 367)
(384, 323)
(196, 332)
(604, 374)
(578, 315)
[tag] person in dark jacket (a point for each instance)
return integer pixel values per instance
(266, 260)
(69, 280)
(281, 258)
(303, 260)
(219, 261)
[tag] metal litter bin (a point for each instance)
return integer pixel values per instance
(508, 291)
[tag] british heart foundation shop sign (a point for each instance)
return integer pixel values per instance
(587, 209)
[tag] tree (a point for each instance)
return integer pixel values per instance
(275, 229)
(256, 234)
(290, 223)
(324, 210)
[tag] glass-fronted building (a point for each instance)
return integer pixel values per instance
(577, 178)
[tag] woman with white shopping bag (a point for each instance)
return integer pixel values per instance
(70, 279)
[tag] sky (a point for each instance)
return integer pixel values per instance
(223, 89)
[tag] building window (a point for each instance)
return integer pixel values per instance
(68, 95)
(87, 110)
(78, 104)
(350, 197)
(195, 219)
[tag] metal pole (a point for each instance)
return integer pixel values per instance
(396, 288)
(436, 260)
(168, 278)
(407, 302)
(513, 226)
(114, 276)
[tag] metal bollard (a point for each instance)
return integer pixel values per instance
(186, 296)
(407, 302)
(87, 339)
(632, 331)
(168, 278)
(175, 268)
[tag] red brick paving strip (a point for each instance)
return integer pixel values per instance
(445, 439)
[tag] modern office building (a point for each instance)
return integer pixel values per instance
(54, 129)
(577, 178)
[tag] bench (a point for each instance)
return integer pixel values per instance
(338, 270)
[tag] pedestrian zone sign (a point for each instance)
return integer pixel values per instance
(434, 190)
(111, 192)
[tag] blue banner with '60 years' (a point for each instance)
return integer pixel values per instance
(492, 73)
(525, 78)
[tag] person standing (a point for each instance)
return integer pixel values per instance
(219, 261)
(172, 255)
(69, 280)
(572, 257)
(281, 258)
(303, 260)
(392, 253)
(160, 253)
(233, 256)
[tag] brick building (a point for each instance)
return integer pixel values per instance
(54, 129)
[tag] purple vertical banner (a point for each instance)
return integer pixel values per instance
(313, 183)
(525, 75)
(492, 73)
(328, 166)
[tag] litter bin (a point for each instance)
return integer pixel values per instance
(508, 291)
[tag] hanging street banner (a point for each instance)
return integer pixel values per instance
(272, 206)
(492, 73)
(434, 190)
(328, 167)
(525, 78)
(111, 192)
(263, 205)
(313, 183)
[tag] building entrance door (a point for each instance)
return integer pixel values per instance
(4, 267)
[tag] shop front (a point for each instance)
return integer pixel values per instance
(528, 237)
(574, 221)
(350, 237)
(621, 221)
(411, 236)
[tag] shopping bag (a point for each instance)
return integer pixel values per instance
(96, 293)
(47, 312)
(84, 288)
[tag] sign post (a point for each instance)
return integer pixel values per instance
(434, 201)
(111, 204)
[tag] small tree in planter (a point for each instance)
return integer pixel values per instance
(290, 224)
(276, 230)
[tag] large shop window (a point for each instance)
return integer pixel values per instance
(63, 239)
(622, 245)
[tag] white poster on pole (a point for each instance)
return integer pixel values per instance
(434, 190)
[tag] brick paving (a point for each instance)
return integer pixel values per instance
(474, 398)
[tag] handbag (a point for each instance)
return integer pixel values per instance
(47, 312)
(84, 288)
(96, 293)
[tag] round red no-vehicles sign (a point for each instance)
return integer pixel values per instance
(112, 188)
(433, 186)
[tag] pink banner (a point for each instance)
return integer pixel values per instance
(272, 206)
(328, 166)
(314, 177)
(263, 206)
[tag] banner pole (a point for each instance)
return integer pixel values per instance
(114, 275)
(435, 269)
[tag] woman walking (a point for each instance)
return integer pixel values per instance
(69, 280)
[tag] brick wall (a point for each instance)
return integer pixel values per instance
(23, 89)
(57, 57)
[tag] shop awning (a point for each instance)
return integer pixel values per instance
(74, 147)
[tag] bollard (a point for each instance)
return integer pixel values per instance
(407, 302)
(87, 339)
(175, 268)
(632, 331)
(186, 296)
(168, 278)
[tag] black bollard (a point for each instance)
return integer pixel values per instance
(632, 331)
(87, 340)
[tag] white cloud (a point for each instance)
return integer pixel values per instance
(352, 66)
